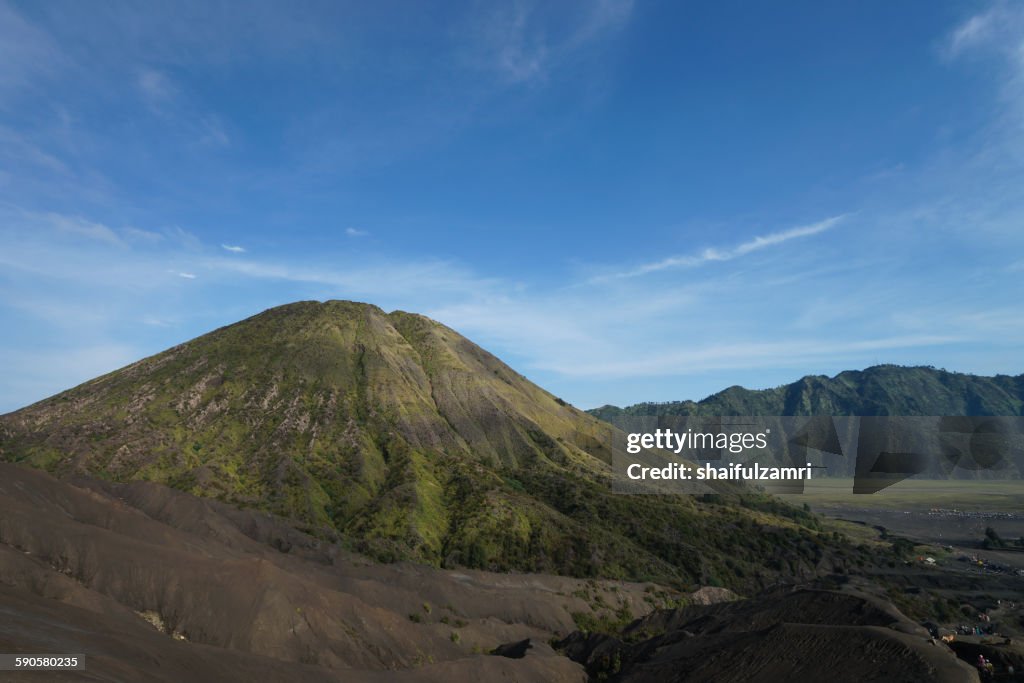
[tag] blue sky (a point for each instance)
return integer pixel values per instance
(626, 201)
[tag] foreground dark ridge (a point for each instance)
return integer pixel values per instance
(151, 584)
(800, 635)
(402, 439)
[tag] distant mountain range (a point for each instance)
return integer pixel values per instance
(405, 441)
(878, 390)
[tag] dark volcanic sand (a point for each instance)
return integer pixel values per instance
(152, 584)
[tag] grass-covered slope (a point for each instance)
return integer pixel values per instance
(405, 440)
(878, 390)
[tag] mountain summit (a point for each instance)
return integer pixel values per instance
(403, 439)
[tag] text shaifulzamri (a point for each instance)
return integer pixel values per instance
(709, 472)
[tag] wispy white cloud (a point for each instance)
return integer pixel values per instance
(356, 232)
(521, 43)
(61, 226)
(604, 16)
(727, 254)
(382, 282)
(198, 32)
(75, 225)
(187, 276)
(972, 32)
(999, 30)
(16, 148)
(169, 101)
(211, 131)
(27, 53)
(780, 354)
(519, 56)
(183, 238)
(133, 234)
(156, 87)
(233, 248)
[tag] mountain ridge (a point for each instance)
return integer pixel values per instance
(876, 390)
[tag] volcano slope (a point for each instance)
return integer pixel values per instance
(403, 440)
